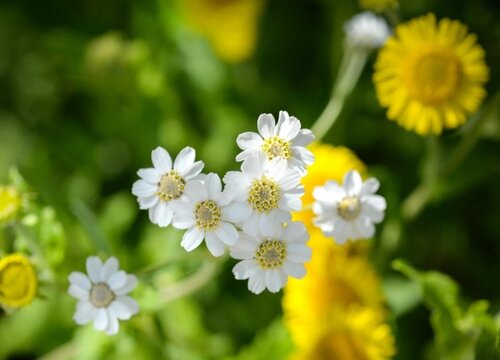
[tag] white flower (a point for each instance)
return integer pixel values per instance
(284, 140)
(202, 212)
(102, 295)
(268, 261)
(264, 192)
(366, 31)
(161, 184)
(348, 211)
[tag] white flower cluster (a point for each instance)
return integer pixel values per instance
(366, 31)
(251, 214)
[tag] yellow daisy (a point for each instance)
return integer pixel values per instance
(18, 281)
(378, 5)
(330, 163)
(229, 25)
(10, 203)
(352, 334)
(337, 276)
(430, 75)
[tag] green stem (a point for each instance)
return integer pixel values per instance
(148, 270)
(350, 70)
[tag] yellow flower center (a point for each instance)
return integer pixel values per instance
(264, 195)
(208, 215)
(171, 186)
(349, 208)
(433, 75)
(18, 281)
(271, 254)
(10, 203)
(277, 147)
(101, 295)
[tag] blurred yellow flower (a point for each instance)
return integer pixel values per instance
(18, 281)
(356, 333)
(10, 203)
(430, 75)
(378, 5)
(337, 276)
(229, 25)
(331, 163)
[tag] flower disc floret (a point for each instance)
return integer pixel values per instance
(101, 295)
(264, 195)
(208, 215)
(171, 186)
(271, 254)
(349, 207)
(277, 147)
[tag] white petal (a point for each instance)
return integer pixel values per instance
(303, 138)
(331, 192)
(245, 154)
(85, 313)
(78, 293)
(162, 214)
(193, 172)
(94, 266)
(124, 307)
(298, 252)
(80, 279)
(184, 160)
(196, 191)
(352, 183)
(290, 180)
(214, 244)
(213, 185)
(365, 227)
(288, 126)
(147, 202)
(290, 202)
(109, 268)
(254, 167)
(257, 282)
(304, 155)
(294, 269)
(374, 204)
(129, 285)
(161, 159)
(274, 280)
(113, 325)
(269, 226)
(192, 239)
(151, 175)
(370, 186)
(265, 125)
(101, 319)
(117, 280)
(244, 269)
(227, 233)
(249, 140)
(143, 188)
(295, 232)
(245, 247)
(251, 224)
(237, 212)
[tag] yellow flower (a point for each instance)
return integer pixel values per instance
(337, 276)
(10, 203)
(430, 75)
(18, 281)
(330, 163)
(378, 5)
(353, 334)
(229, 25)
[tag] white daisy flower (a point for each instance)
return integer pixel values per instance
(202, 213)
(163, 183)
(366, 31)
(102, 295)
(285, 140)
(348, 211)
(268, 261)
(264, 192)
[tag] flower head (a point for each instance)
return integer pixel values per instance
(102, 295)
(265, 192)
(366, 31)
(348, 211)
(267, 261)
(284, 140)
(430, 75)
(10, 203)
(203, 213)
(18, 281)
(163, 183)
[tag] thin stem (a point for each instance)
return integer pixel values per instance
(146, 271)
(351, 67)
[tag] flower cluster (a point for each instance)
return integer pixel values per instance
(251, 214)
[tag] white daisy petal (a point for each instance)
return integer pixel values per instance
(265, 125)
(109, 268)
(257, 283)
(352, 183)
(128, 286)
(117, 280)
(78, 293)
(227, 233)
(303, 138)
(124, 307)
(161, 159)
(101, 319)
(184, 160)
(298, 252)
(151, 175)
(162, 214)
(143, 188)
(214, 244)
(294, 269)
(80, 279)
(113, 325)
(147, 202)
(370, 186)
(274, 281)
(194, 170)
(288, 126)
(244, 269)
(94, 266)
(85, 313)
(249, 140)
(236, 212)
(192, 239)
(213, 185)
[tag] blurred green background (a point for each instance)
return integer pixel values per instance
(89, 88)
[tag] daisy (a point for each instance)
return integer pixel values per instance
(268, 261)
(264, 192)
(430, 75)
(163, 183)
(202, 213)
(285, 140)
(348, 211)
(366, 31)
(102, 295)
